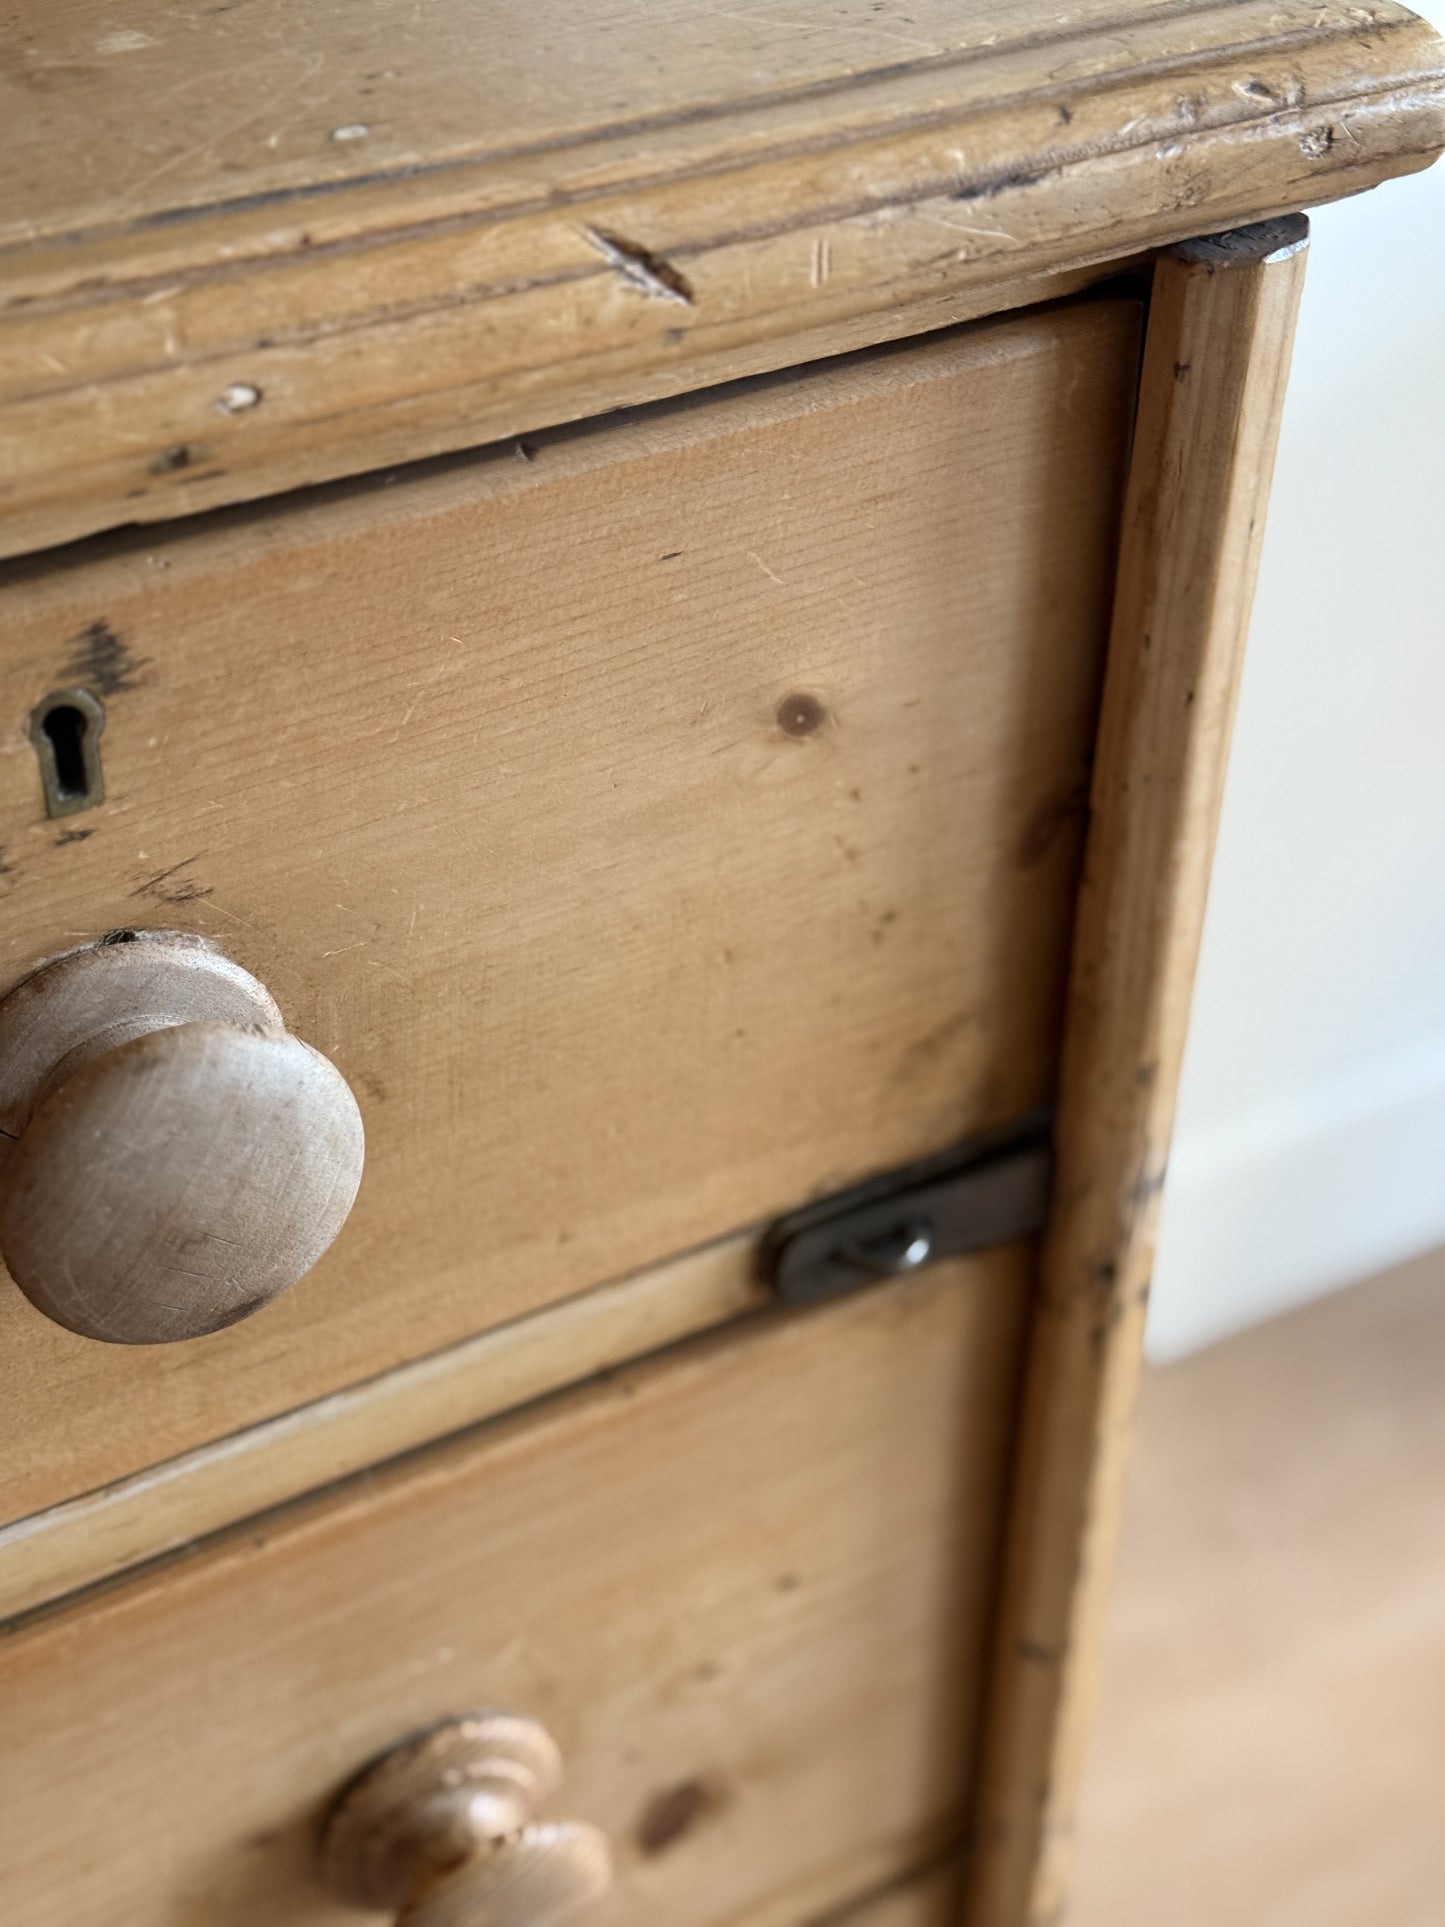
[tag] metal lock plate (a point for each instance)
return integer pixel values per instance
(987, 1192)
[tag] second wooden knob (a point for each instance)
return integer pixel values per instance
(444, 1830)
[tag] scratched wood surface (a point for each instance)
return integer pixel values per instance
(746, 1588)
(257, 245)
(655, 833)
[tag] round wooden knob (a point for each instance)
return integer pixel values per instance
(171, 1159)
(443, 1832)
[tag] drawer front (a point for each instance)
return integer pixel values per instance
(746, 1587)
(658, 826)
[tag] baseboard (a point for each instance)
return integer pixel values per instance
(1322, 1187)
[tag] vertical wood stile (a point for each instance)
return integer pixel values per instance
(1216, 356)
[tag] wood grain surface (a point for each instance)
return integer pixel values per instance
(264, 245)
(1221, 323)
(655, 833)
(746, 1588)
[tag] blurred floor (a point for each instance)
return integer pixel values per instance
(1270, 1748)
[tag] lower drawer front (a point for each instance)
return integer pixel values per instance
(746, 1586)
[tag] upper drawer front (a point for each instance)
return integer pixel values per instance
(747, 1589)
(657, 825)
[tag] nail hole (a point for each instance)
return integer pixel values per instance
(65, 730)
(240, 396)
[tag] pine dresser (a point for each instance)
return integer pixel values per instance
(618, 637)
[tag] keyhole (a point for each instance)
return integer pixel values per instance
(65, 729)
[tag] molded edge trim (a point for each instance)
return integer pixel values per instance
(239, 350)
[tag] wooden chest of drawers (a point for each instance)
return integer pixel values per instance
(670, 587)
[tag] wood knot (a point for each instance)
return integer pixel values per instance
(674, 1812)
(800, 714)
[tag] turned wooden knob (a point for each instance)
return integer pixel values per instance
(171, 1159)
(443, 1831)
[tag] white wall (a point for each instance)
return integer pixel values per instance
(1311, 1142)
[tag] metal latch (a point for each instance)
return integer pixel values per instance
(982, 1193)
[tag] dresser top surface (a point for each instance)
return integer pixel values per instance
(167, 110)
(354, 207)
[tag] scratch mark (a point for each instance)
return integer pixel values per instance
(964, 227)
(754, 557)
(231, 916)
(216, 133)
(183, 891)
(649, 273)
(822, 260)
